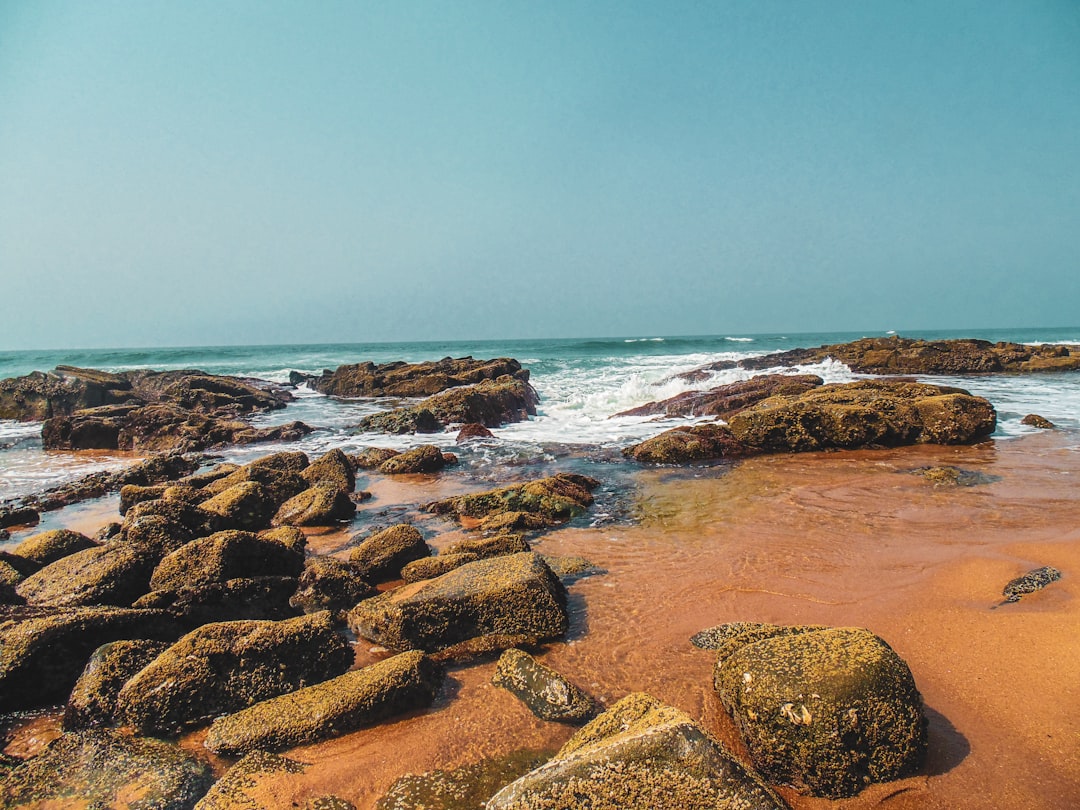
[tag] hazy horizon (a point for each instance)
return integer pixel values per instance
(199, 174)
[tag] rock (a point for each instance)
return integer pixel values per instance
(469, 786)
(330, 584)
(371, 457)
(827, 711)
(228, 666)
(484, 547)
(277, 481)
(317, 506)
(425, 458)
(243, 598)
(115, 573)
(556, 499)
(480, 607)
(131, 494)
(105, 768)
(1030, 582)
(20, 565)
(9, 578)
(725, 400)
(184, 519)
(107, 532)
(243, 506)
(713, 638)
(548, 694)
(43, 651)
(431, 567)
(360, 698)
(288, 536)
(639, 753)
(691, 443)
(198, 480)
(223, 556)
(332, 471)
(1036, 421)
(473, 430)
(234, 790)
(157, 534)
(381, 556)
(501, 523)
(93, 699)
(570, 568)
(491, 403)
(411, 380)
(48, 547)
(330, 803)
(18, 516)
(955, 476)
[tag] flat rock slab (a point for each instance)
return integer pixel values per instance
(107, 769)
(639, 754)
(484, 605)
(363, 697)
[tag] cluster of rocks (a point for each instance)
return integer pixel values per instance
(402, 379)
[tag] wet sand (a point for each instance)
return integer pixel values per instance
(833, 538)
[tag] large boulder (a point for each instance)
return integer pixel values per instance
(491, 403)
(330, 584)
(557, 499)
(242, 506)
(333, 471)
(263, 597)
(48, 547)
(315, 506)
(828, 711)
(227, 666)
(115, 573)
(423, 459)
(365, 696)
(223, 556)
(107, 769)
(726, 400)
(480, 607)
(382, 555)
(689, 443)
(410, 379)
(43, 651)
(548, 694)
(93, 699)
(41, 395)
(431, 567)
(640, 753)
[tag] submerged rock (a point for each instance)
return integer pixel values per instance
(827, 711)
(484, 547)
(1030, 582)
(104, 768)
(423, 459)
(639, 754)
(548, 694)
(1036, 421)
(480, 607)
(93, 699)
(955, 476)
(400, 684)
(227, 666)
(469, 786)
(473, 430)
(556, 499)
(234, 790)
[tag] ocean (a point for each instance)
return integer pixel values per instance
(582, 383)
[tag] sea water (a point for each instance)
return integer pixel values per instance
(582, 384)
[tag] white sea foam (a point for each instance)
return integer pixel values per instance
(740, 339)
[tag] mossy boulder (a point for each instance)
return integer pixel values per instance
(480, 607)
(726, 400)
(503, 522)
(548, 694)
(238, 788)
(104, 768)
(223, 556)
(131, 494)
(469, 786)
(115, 573)
(639, 753)
(370, 458)
(289, 536)
(685, 444)
(333, 471)
(1036, 421)
(156, 534)
(557, 499)
(399, 684)
(382, 555)
(227, 666)
(330, 584)
(491, 403)
(48, 547)
(192, 517)
(242, 598)
(423, 459)
(93, 699)
(828, 711)
(493, 546)
(400, 379)
(431, 567)
(242, 506)
(315, 506)
(43, 651)
(277, 475)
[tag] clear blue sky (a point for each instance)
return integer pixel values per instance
(179, 173)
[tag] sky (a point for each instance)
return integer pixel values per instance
(206, 173)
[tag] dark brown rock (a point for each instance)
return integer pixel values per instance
(115, 573)
(93, 699)
(224, 556)
(18, 516)
(682, 445)
(473, 430)
(1036, 421)
(48, 547)
(725, 400)
(557, 499)
(332, 471)
(491, 403)
(381, 556)
(422, 459)
(431, 567)
(330, 584)
(242, 506)
(316, 506)
(412, 380)
(548, 694)
(240, 599)
(371, 457)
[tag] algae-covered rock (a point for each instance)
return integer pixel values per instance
(223, 556)
(382, 555)
(503, 522)
(726, 400)
(332, 471)
(289, 536)
(48, 547)
(243, 598)
(1036, 421)
(548, 694)
(490, 403)
(570, 567)
(115, 573)
(482, 606)
(689, 443)
(1030, 582)
(315, 506)
(131, 494)
(227, 666)
(494, 546)
(431, 567)
(713, 638)
(422, 459)
(238, 788)
(330, 584)
(955, 476)
(400, 684)
(827, 711)
(158, 535)
(279, 476)
(639, 754)
(469, 786)
(242, 506)
(400, 379)
(557, 499)
(369, 458)
(43, 651)
(107, 769)
(93, 699)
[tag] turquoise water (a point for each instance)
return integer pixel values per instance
(582, 384)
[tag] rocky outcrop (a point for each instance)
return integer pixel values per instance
(725, 400)
(1036, 421)
(640, 753)
(409, 379)
(483, 606)
(43, 651)
(363, 697)
(897, 355)
(227, 666)
(422, 459)
(473, 430)
(556, 499)
(104, 768)
(93, 699)
(371, 458)
(548, 694)
(683, 445)
(828, 711)
(381, 556)
(491, 403)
